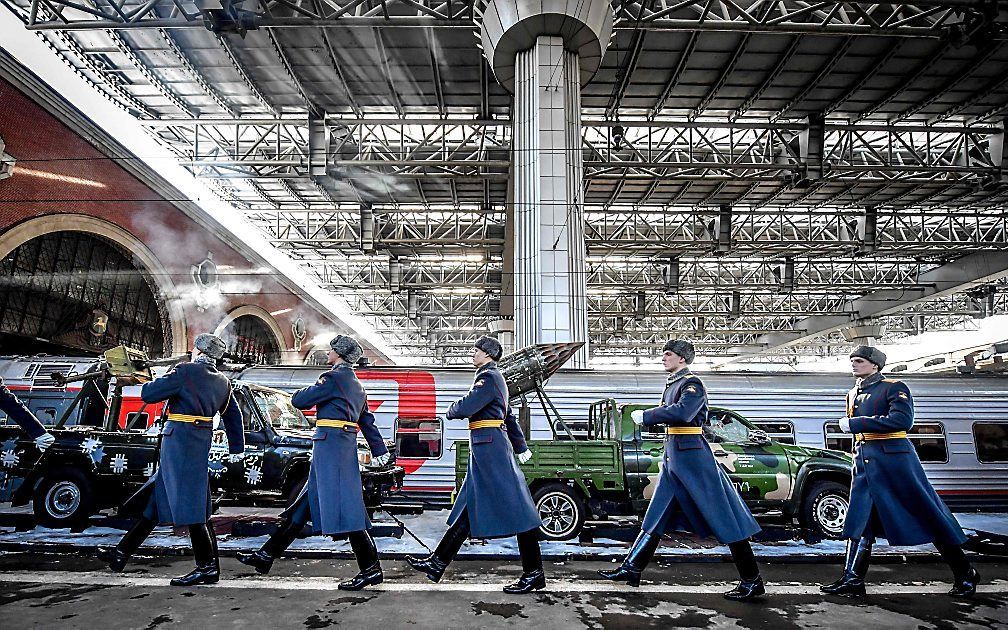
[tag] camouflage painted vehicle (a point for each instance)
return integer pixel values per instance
(613, 472)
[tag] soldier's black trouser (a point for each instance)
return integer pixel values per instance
(954, 556)
(201, 535)
(361, 542)
(745, 561)
(457, 534)
(136, 535)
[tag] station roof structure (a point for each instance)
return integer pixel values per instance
(770, 178)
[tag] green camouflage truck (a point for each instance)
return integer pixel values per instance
(611, 473)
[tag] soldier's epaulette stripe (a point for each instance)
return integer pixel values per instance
(890, 380)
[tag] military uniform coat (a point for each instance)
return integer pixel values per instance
(179, 492)
(891, 496)
(333, 498)
(693, 492)
(494, 492)
(16, 411)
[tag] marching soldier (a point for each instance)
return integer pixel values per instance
(693, 493)
(333, 498)
(16, 411)
(494, 500)
(890, 495)
(179, 492)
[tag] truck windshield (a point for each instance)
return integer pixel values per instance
(277, 408)
(725, 427)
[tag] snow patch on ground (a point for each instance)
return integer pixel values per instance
(430, 525)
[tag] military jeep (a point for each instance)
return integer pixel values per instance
(92, 468)
(611, 471)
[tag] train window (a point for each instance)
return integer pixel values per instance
(419, 438)
(991, 440)
(836, 439)
(928, 439)
(778, 431)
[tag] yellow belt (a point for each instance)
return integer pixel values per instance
(485, 424)
(339, 424)
(683, 431)
(861, 437)
(184, 417)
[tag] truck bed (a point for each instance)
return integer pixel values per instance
(598, 462)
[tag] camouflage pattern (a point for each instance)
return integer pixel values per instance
(620, 463)
(763, 474)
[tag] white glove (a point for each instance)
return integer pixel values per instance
(637, 415)
(234, 458)
(44, 441)
(845, 424)
(524, 456)
(380, 460)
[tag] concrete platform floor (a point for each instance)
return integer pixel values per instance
(67, 591)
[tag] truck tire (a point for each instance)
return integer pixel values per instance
(824, 509)
(561, 510)
(64, 498)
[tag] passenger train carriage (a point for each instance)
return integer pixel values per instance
(960, 433)
(961, 429)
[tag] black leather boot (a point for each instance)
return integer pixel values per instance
(207, 570)
(533, 578)
(747, 590)
(118, 556)
(262, 560)
(965, 577)
(527, 583)
(851, 583)
(635, 562)
(751, 585)
(435, 564)
(370, 574)
(966, 586)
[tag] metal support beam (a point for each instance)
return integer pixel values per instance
(957, 276)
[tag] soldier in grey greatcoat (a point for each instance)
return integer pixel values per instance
(693, 494)
(890, 495)
(333, 498)
(179, 492)
(494, 499)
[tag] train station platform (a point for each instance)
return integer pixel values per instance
(242, 529)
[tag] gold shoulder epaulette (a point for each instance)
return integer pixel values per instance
(890, 380)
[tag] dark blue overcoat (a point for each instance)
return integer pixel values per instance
(494, 492)
(693, 492)
(333, 496)
(179, 492)
(891, 496)
(16, 411)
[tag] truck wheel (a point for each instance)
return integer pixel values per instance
(825, 508)
(562, 511)
(64, 498)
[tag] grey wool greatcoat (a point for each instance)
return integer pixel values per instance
(333, 496)
(179, 492)
(891, 496)
(693, 492)
(494, 493)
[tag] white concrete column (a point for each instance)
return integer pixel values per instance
(550, 303)
(543, 51)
